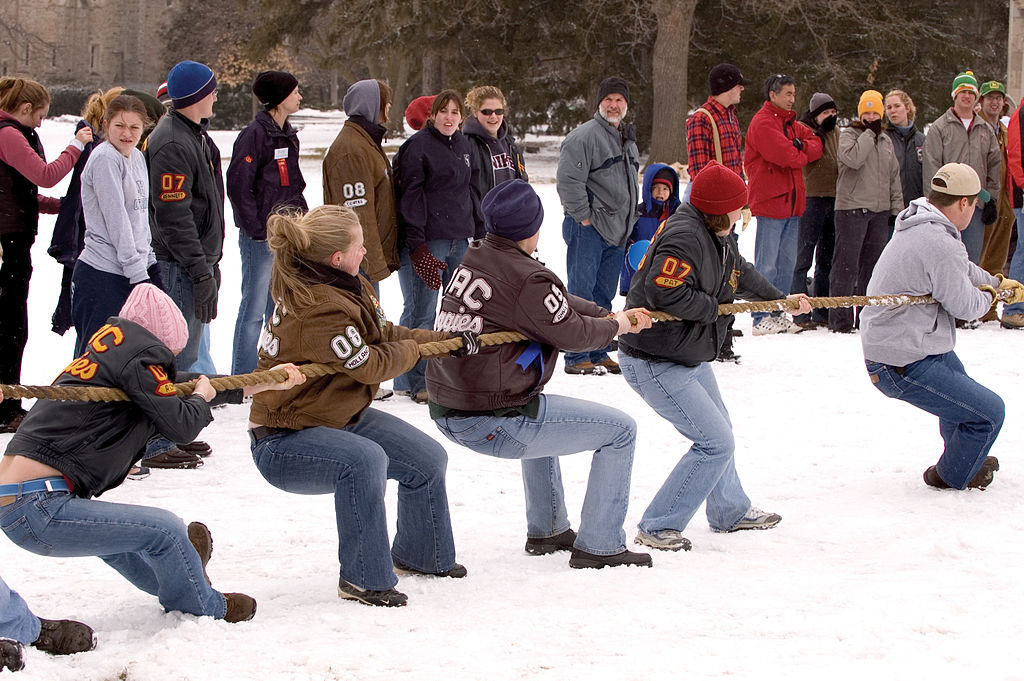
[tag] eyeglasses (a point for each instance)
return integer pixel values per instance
(492, 112)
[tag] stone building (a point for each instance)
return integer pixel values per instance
(95, 43)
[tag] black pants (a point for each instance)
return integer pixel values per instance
(15, 273)
(95, 296)
(815, 243)
(860, 237)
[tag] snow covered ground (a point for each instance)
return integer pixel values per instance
(870, 575)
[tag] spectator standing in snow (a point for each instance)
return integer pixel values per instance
(688, 271)
(24, 104)
(778, 147)
(907, 144)
(1013, 315)
(993, 106)
(598, 173)
(263, 176)
(19, 626)
(494, 149)
(908, 349)
(961, 136)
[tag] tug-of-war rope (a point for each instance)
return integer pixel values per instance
(440, 348)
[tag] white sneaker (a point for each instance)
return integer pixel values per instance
(767, 326)
(787, 325)
(756, 519)
(664, 540)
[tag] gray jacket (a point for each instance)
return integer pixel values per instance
(598, 178)
(948, 141)
(869, 173)
(924, 257)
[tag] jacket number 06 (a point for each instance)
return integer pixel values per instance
(345, 345)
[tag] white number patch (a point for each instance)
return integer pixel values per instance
(556, 304)
(349, 347)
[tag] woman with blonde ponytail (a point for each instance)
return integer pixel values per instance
(323, 437)
(24, 104)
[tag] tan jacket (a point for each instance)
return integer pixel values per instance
(357, 174)
(948, 141)
(343, 330)
(869, 172)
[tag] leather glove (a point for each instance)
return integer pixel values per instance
(798, 143)
(991, 291)
(1018, 292)
(1005, 284)
(990, 212)
(470, 344)
(747, 217)
(427, 266)
(874, 126)
(153, 271)
(204, 298)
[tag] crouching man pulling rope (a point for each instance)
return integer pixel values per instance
(908, 349)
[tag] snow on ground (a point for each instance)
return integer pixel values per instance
(870, 574)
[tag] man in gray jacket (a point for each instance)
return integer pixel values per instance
(598, 185)
(908, 349)
(961, 136)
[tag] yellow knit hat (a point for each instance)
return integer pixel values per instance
(870, 100)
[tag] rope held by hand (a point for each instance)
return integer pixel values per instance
(438, 349)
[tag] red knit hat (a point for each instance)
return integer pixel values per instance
(717, 190)
(153, 310)
(418, 111)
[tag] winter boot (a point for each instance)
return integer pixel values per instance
(11, 655)
(201, 538)
(241, 608)
(583, 559)
(455, 572)
(64, 637)
(540, 546)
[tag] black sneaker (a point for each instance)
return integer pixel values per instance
(455, 572)
(582, 559)
(11, 655)
(388, 599)
(13, 421)
(64, 637)
(544, 545)
(200, 537)
(727, 355)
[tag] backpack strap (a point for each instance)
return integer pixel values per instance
(714, 133)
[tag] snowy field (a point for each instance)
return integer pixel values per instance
(871, 575)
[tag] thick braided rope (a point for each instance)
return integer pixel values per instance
(438, 348)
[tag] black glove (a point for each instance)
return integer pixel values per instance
(990, 212)
(874, 126)
(204, 298)
(154, 276)
(798, 143)
(470, 344)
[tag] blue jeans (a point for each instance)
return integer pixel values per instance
(688, 398)
(204, 362)
(974, 236)
(148, 546)
(16, 621)
(775, 253)
(95, 296)
(592, 273)
(179, 288)
(421, 300)
(354, 463)
(256, 304)
(970, 415)
(564, 425)
(816, 242)
(1017, 263)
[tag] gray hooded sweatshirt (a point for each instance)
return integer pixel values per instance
(924, 257)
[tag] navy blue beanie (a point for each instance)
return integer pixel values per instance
(189, 82)
(513, 210)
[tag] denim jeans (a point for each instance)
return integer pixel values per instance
(974, 236)
(564, 425)
(970, 415)
(354, 463)
(816, 240)
(148, 546)
(592, 273)
(1017, 262)
(688, 398)
(256, 304)
(860, 238)
(775, 253)
(421, 300)
(16, 621)
(204, 362)
(179, 288)
(15, 273)
(95, 296)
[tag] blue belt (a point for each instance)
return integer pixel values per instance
(38, 485)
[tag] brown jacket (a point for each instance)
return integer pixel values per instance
(342, 329)
(869, 172)
(357, 174)
(820, 176)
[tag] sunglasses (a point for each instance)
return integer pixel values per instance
(494, 112)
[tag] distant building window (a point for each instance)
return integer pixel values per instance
(92, 57)
(27, 48)
(53, 56)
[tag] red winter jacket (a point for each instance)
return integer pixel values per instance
(1014, 159)
(773, 163)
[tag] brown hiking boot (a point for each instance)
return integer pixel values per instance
(610, 365)
(64, 637)
(173, 458)
(585, 368)
(197, 447)
(241, 608)
(202, 540)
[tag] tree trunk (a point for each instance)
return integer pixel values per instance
(671, 52)
(432, 81)
(397, 66)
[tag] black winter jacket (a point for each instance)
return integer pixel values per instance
(264, 174)
(687, 272)
(498, 159)
(19, 196)
(186, 195)
(908, 150)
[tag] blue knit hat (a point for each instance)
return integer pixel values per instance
(513, 210)
(189, 82)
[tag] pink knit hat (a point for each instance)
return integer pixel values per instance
(153, 310)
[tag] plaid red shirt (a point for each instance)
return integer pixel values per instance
(700, 142)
